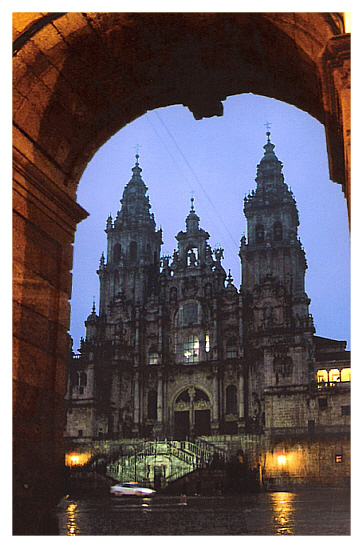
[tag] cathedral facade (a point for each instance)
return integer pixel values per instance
(178, 352)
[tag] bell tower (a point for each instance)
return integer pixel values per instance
(277, 325)
(133, 247)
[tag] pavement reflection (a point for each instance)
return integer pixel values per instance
(283, 509)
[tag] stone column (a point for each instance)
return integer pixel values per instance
(44, 223)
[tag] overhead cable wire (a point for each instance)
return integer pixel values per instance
(196, 178)
(201, 186)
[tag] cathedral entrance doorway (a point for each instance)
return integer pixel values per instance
(192, 412)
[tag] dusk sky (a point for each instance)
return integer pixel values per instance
(216, 159)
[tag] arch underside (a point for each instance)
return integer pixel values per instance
(108, 69)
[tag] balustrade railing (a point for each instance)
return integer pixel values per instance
(190, 455)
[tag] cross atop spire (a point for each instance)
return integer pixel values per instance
(137, 156)
(268, 133)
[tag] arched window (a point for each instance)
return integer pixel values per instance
(153, 356)
(190, 313)
(191, 349)
(183, 397)
(231, 348)
(192, 257)
(133, 250)
(187, 314)
(116, 253)
(81, 382)
(260, 234)
(200, 396)
(152, 399)
(207, 343)
(82, 379)
(277, 229)
(231, 400)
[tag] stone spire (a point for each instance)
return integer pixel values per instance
(133, 247)
(135, 211)
(269, 170)
(271, 189)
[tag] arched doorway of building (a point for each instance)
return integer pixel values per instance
(192, 414)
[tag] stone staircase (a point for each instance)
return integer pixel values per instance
(158, 463)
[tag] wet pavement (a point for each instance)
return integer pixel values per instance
(309, 512)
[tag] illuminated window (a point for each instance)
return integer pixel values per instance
(322, 375)
(191, 349)
(338, 459)
(334, 375)
(345, 375)
(281, 459)
(207, 343)
(153, 356)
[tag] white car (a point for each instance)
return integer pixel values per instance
(131, 488)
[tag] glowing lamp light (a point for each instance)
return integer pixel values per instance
(74, 459)
(281, 459)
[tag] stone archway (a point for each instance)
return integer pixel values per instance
(78, 79)
(192, 413)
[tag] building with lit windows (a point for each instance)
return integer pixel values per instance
(178, 352)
